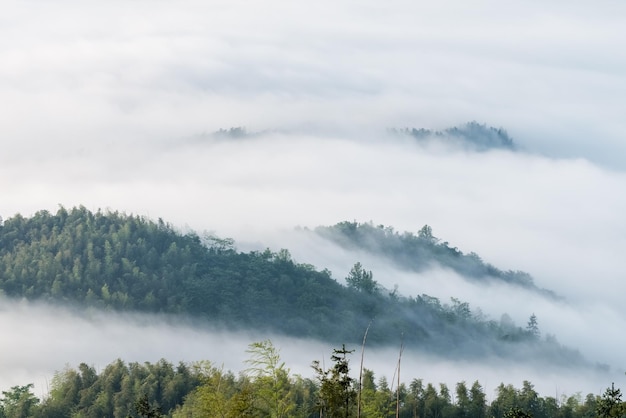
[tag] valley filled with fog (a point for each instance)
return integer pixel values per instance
(119, 111)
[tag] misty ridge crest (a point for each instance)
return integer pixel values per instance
(420, 252)
(113, 261)
(471, 136)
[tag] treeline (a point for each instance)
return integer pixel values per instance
(117, 391)
(472, 135)
(421, 251)
(109, 260)
(117, 261)
(267, 389)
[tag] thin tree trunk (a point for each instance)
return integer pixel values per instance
(358, 402)
(398, 386)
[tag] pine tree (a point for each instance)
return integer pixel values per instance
(611, 405)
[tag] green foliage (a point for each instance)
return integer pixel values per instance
(361, 279)
(109, 260)
(270, 380)
(472, 135)
(219, 395)
(376, 397)
(145, 410)
(266, 389)
(477, 407)
(517, 413)
(18, 402)
(114, 261)
(337, 395)
(120, 390)
(611, 405)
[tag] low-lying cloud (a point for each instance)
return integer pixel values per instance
(573, 317)
(559, 220)
(47, 339)
(125, 72)
(108, 105)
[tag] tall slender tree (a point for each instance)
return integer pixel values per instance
(270, 380)
(337, 396)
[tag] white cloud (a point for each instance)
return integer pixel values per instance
(100, 103)
(150, 70)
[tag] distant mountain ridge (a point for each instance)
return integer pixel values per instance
(109, 260)
(473, 135)
(423, 251)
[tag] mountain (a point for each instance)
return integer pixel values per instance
(472, 135)
(109, 260)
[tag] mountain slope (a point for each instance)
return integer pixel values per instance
(421, 252)
(116, 261)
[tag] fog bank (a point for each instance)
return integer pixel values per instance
(45, 339)
(111, 105)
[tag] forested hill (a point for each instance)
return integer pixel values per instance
(116, 261)
(472, 136)
(421, 252)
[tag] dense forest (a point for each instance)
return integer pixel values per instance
(267, 389)
(109, 260)
(421, 252)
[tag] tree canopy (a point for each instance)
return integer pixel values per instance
(267, 389)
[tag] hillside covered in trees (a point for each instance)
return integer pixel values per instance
(109, 260)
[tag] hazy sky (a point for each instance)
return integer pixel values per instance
(105, 104)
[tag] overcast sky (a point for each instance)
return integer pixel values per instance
(107, 105)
